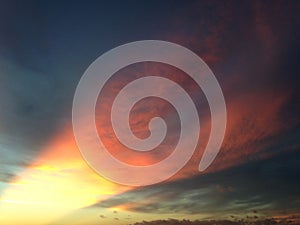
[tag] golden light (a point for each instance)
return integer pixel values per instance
(57, 183)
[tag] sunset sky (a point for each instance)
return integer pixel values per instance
(253, 48)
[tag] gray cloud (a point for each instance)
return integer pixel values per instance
(239, 190)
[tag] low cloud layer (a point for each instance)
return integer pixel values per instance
(265, 186)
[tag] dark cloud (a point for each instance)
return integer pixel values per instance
(259, 187)
(6, 177)
(213, 222)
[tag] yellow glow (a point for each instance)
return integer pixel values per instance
(56, 184)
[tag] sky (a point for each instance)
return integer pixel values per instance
(253, 49)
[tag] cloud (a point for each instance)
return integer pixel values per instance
(246, 61)
(237, 191)
(212, 222)
(253, 49)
